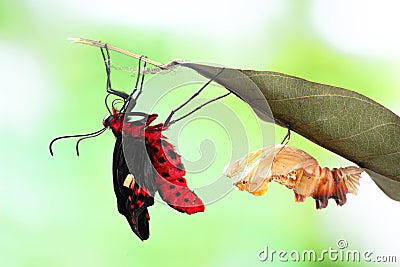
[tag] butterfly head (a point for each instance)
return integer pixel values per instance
(115, 121)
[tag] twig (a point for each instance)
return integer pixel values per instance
(119, 50)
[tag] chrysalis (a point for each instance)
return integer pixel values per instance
(296, 170)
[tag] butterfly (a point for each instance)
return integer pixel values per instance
(296, 170)
(157, 167)
(153, 165)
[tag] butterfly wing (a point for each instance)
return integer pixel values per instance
(288, 158)
(169, 177)
(139, 162)
(132, 200)
(256, 171)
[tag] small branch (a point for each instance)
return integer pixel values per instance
(119, 50)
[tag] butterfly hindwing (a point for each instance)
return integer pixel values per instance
(170, 180)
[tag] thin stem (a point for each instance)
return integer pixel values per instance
(116, 49)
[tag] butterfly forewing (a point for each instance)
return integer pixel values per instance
(287, 159)
(132, 200)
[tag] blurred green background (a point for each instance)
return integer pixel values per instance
(61, 211)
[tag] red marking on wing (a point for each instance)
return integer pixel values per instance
(141, 195)
(170, 182)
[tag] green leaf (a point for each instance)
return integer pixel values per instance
(345, 122)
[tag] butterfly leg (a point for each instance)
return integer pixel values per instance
(107, 63)
(287, 136)
(168, 120)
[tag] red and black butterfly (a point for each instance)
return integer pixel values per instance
(153, 165)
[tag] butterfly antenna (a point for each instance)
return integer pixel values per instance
(86, 137)
(167, 121)
(73, 136)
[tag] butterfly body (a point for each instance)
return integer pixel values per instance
(152, 166)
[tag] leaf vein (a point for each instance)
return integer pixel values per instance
(324, 95)
(378, 155)
(359, 133)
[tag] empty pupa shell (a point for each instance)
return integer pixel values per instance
(296, 170)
